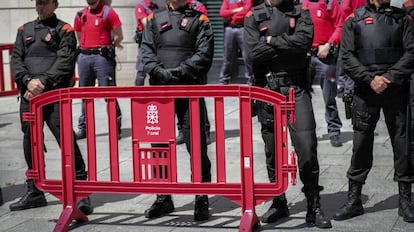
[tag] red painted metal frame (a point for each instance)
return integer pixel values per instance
(247, 193)
(10, 88)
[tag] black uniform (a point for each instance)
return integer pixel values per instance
(378, 41)
(177, 48)
(44, 50)
(285, 59)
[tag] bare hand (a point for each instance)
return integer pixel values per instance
(379, 84)
(35, 86)
(237, 10)
(28, 95)
(323, 50)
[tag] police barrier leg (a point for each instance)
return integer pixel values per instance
(33, 198)
(405, 207)
(201, 208)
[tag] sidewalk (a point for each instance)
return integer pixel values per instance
(125, 212)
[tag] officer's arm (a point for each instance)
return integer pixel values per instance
(301, 38)
(399, 72)
(247, 5)
(200, 62)
(118, 36)
(148, 49)
(19, 70)
(337, 16)
(352, 66)
(256, 48)
(60, 74)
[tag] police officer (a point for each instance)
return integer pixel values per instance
(328, 19)
(43, 59)
(378, 54)
(177, 48)
(94, 26)
(233, 12)
(278, 36)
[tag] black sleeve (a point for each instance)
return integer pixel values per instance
(256, 48)
(148, 47)
(18, 68)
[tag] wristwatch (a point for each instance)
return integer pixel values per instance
(27, 80)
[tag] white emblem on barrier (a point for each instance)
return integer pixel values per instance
(152, 114)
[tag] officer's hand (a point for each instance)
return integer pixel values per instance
(183, 73)
(162, 76)
(35, 86)
(28, 95)
(323, 50)
(379, 84)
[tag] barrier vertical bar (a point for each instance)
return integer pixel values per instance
(220, 145)
(90, 138)
(249, 218)
(194, 108)
(70, 211)
(113, 139)
(2, 79)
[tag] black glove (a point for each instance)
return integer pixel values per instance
(162, 76)
(183, 73)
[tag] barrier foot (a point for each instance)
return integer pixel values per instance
(67, 216)
(249, 222)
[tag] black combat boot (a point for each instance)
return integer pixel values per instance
(277, 210)
(314, 214)
(405, 208)
(201, 211)
(85, 206)
(353, 206)
(32, 199)
(162, 206)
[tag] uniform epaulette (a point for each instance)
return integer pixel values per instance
(67, 27)
(203, 18)
(250, 13)
(150, 16)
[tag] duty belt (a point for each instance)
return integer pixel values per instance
(235, 25)
(94, 51)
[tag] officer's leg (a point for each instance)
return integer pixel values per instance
(326, 71)
(303, 137)
(140, 76)
(395, 119)
(105, 72)
(33, 197)
(86, 78)
(52, 117)
(246, 60)
(279, 208)
(229, 53)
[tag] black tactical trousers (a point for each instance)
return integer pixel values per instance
(51, 116)
(366, 113)
(303, 137)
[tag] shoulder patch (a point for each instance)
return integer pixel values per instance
(67, 27)
(21, 28)
(203, 18)
(303, 7)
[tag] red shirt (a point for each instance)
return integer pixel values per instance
(348, 6)
(142, 10)
(95, 28)
(327, 23)
(237, 18)
(198, 6)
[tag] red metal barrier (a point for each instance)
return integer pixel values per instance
(7, 85)
(155, 168)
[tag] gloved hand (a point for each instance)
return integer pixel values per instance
(183, 73)
(161, 75)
